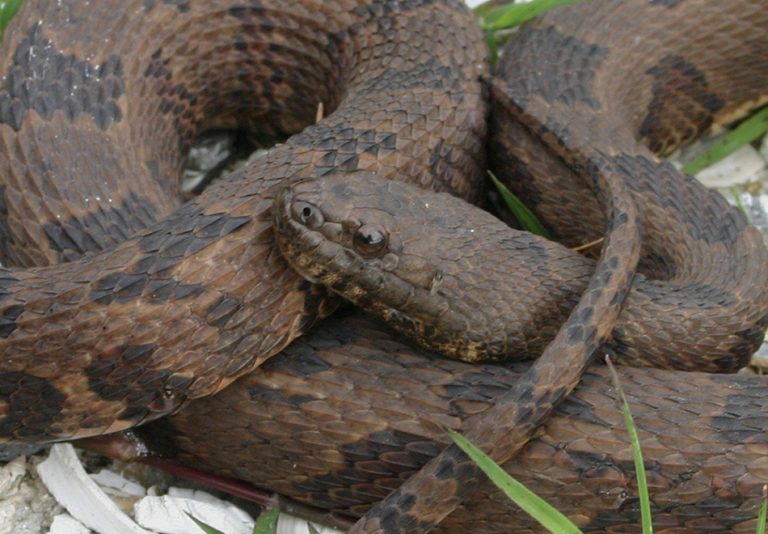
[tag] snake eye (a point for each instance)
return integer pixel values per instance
(370, 240)
(309, 214)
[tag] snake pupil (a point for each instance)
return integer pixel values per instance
(370, 240)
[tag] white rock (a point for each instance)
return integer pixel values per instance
(66, 524)
(11, 475)
(168, 514)
(288, 524)
(66, 479)
(744, 165)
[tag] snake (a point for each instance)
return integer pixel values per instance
(111, 280)
(124, 301)
(348, 412)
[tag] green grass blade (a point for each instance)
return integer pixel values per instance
(483, 9)
(312, 529)
(637, 454)
(531, 503)
(737, 200)
(267, 522)
(761, 517)
(8, 9)
(746, 132)
(525, 217)
(513, 15)
(493, 46)
(208, 529)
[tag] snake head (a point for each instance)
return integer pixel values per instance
(437, 269)
(333, 232)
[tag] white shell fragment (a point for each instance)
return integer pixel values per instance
(112, 482)
(68, 482)
(66, 524)
(288, 524)
(168, 514)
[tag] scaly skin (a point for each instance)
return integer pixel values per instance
(99, 105)
(87, 125)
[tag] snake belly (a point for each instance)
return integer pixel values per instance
(546, 114)
(126, 302)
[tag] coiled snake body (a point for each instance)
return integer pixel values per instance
(91, 128)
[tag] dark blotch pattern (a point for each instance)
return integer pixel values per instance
(74, 236)
(550, 80)
(402, 521)
(9, 313)
(125, 374)
(150, 277)
(101, 372)
(45, 80)
(181, 5)
(344, 145)
(8, 318)
(222, 310)
(125, 287)
(429, 75)
(244, 12)
(188, 230)
(21, 390)
(664, 3)
(678, 85)
(175, 99)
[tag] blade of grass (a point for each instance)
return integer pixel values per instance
(746, 132)
(267, 522)
(737, 199)
(531, 503)
(525, 217)
(208, 529)
(761, 517)
(493, 46)
(484, 8)
(8, 9)
(515, 14)
(637, 454)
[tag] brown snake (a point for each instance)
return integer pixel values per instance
(348, 412)
(104, 342)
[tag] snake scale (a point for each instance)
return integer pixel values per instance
(93, 126)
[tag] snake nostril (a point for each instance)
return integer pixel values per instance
(308, 214)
